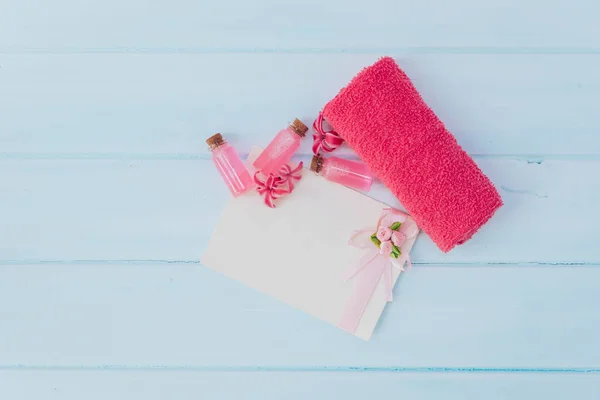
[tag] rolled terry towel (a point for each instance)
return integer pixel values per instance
(385, 121)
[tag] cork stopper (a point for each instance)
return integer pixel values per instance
(215, 141)
(299, 128)
(316, 165)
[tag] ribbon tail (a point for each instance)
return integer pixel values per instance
(365, 287)
(400, 261)
(387, 281)
(361, 238)
(362, 263)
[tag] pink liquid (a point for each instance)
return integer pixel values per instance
(348, 173)
(278, 152)
(232, 169)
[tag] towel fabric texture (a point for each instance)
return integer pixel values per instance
(385, 121)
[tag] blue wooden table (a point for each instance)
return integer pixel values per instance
(108, 197)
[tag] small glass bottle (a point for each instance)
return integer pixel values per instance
(345, 172)
(281, 148)
(230, 165)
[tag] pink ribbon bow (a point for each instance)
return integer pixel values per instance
(375, 265)
(326, 141)
(275, 186)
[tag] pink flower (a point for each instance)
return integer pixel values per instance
(398, 238)
(289, 175)
(385, 248)
(384, 233)
(269, 188)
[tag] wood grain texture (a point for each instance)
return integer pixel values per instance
(155, 385)
(149, 315)
(165, 210)
(91, 25)
(108, 197)
(164, 106)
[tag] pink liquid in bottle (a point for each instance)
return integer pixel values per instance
(230, 165)
(345, 172)
(281, 148)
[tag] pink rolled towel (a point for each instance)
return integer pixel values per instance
(385, 121)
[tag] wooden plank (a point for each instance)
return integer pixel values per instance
(165, 210)
(73, 25)
(150, 385)
(185, 316)
(164, 106)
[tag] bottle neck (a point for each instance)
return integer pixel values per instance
(215, 141)
(298, 128)
(317, 163)
(216, 147)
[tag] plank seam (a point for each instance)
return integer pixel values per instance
(459, 50)
(197, 262)
(393, 369)
(529, 158)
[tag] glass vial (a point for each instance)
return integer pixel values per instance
(281, 149)
(345, 172)
(230, 165)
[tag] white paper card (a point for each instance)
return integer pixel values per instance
(299, 252)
